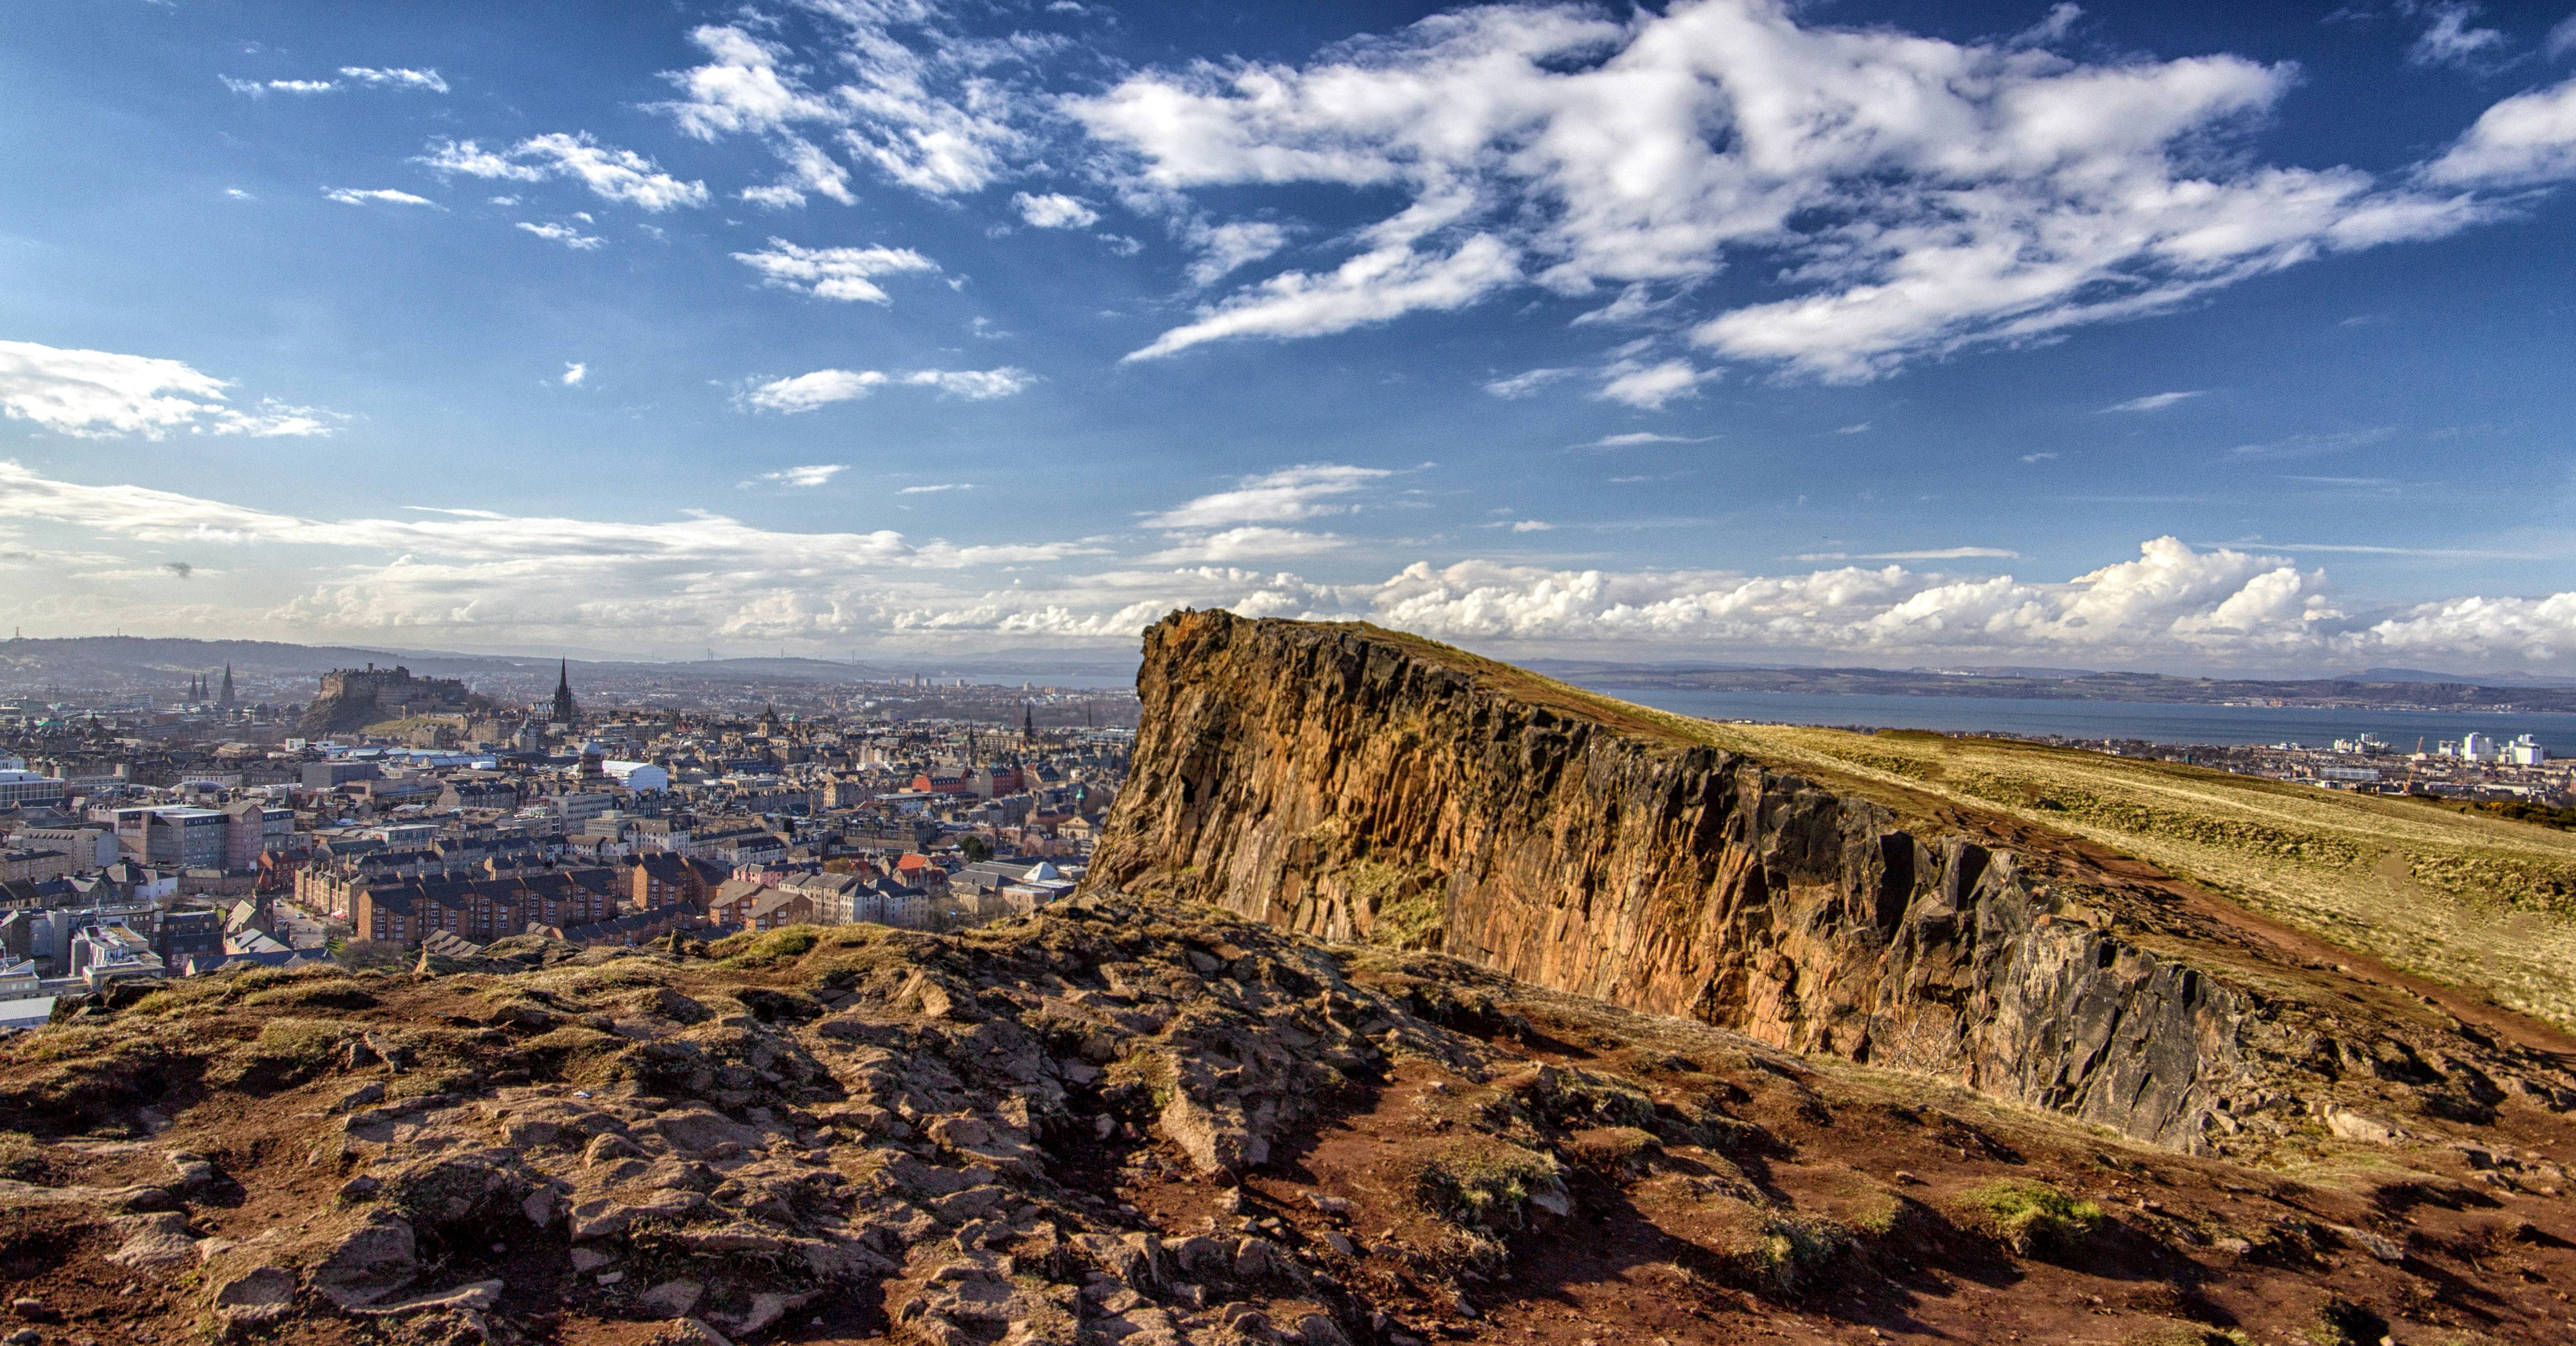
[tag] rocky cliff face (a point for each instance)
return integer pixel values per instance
(1360, 785)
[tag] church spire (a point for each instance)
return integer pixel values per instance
(565, 711)
(225, 697)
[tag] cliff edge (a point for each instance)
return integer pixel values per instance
(1361, 784)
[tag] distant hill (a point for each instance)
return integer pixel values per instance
(163, 665)
(2470, 679)
(2373, 689)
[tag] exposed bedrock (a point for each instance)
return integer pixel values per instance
(1333, 780)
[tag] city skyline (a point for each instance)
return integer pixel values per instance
(1865, 333)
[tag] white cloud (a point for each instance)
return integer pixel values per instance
(96, 394)
(2152, 401)
(1649, 387)
(505, 579)
(2525, 140)
(916, 102)
(1862, 427)
(565, 234)
(975, 385)
(1374, 287)
(502, 579)
(823, 387)
(1309, 490)
(1632, 438)
(2314, 444)
(395, 77)
(1934, 554)
(1525, 383)
(1251, 542)
(471, 159)
(256, 88)
(1917, 196)
(2450, 40)
(832, 273)
(798, 478)
(1054, 210)
(610, 173)
(1223, 248)
(2171, 601)
(574, 372)
(1532, 526)
(238, 194)
(2561, 39)
(352, 196)
(937, 487)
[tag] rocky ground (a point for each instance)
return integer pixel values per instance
(1157, 1124)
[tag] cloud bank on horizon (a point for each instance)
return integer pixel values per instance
(1757, 263)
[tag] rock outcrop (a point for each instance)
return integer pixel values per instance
(1156, 1124)
(1358, 784)
(350, 699)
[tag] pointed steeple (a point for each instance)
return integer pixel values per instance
(564, 709)
(225, 697)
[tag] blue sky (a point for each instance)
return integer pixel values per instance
(2177, 337)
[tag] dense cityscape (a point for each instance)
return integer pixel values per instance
(152, 837)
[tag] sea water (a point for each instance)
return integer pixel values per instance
(2154, 722)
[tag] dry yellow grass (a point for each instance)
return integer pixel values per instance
(2473, 901)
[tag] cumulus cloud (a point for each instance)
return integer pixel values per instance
(574, 373)
(1054, 210)
(565, 234)
(610, 173)
(707, 576)
(823, 387)
(2171, 600)
(800, 478)
(2152, 401)
(845, 274)
(2526, 140)
(98, 394)
(352, 196)
(1919, 196)
(1307, 491)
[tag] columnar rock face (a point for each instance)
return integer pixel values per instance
(1342, 781)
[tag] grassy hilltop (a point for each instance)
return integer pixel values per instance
(2478, 902)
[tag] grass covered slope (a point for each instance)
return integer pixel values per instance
(2478, 902)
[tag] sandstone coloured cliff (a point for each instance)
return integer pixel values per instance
(1360, 784)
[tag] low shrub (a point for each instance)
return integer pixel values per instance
(2033, 1217)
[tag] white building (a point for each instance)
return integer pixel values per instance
(636, 775)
